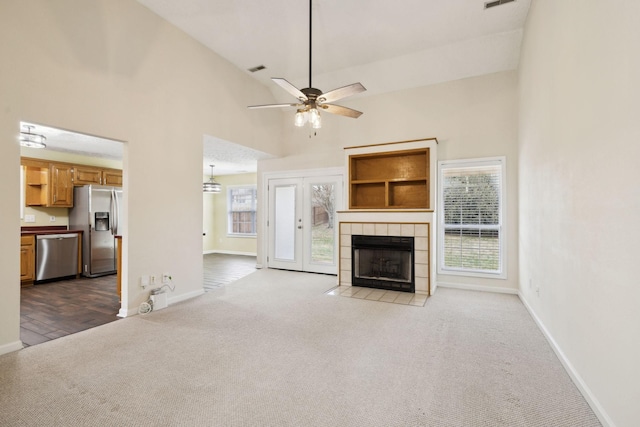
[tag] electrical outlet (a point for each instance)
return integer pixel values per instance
(152, 280)
(144, 281)
(29, 218)
(166, 278)
(52, 219)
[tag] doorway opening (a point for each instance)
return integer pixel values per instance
(50, 178)
(229, 215)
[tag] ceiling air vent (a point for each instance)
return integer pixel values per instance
(258, 68)
(495, 3)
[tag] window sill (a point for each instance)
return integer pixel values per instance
(469, 273)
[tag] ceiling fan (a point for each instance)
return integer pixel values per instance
(312, 100)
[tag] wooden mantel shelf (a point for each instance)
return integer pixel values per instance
(391, 143)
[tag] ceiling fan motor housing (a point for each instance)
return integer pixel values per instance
(312, 94)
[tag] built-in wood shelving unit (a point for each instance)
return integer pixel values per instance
(389, 180)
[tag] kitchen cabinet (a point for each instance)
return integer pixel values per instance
(112, 177)
(61, 185)
(84, 175)
(27, 259)
(50, 184)
(36, 183)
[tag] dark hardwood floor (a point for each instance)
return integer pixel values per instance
(55, 309)
(222, 269)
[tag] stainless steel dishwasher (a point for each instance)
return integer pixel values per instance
(56, 255)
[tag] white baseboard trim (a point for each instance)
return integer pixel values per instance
(11, 347)
(478, 288)
(127, 312)
(184, 297)
(575, 377)
(230, 253)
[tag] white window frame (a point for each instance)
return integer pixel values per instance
(502, 228)
(230, 189)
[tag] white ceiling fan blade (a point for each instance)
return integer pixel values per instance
(284, 84)
(340, 110)
(343, 92)
(272, 106)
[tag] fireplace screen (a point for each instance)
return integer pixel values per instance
(383, 262)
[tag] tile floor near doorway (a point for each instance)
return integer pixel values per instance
(52, 310)
(395, 297)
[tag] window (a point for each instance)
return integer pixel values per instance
(471, 218)
(242, 202)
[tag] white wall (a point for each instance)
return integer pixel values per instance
(116, 70)
(580, 204)
(474, 117)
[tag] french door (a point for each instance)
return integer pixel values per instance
(302, 228)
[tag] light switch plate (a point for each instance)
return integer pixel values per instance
(29, 218)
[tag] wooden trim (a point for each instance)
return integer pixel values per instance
(80, 239)
(390, 143)
(37, 163)
(429, 237)
(386, 222)
(386, 211)
(119, 266)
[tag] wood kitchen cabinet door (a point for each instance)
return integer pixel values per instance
(112, 177)
(27, 259)
(61, 185)
(85, 175)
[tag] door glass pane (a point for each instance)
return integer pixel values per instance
(322, 223)
(285, 222)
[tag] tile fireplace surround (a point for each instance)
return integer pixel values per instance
(392, 220)
(378, 224)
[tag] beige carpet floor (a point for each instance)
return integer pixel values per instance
(273, 349)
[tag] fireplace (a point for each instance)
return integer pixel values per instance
(383, 262)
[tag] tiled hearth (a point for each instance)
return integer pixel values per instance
(418, 230)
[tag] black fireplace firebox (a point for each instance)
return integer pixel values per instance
(383, 262)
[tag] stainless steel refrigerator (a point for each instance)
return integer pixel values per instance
(96, 211)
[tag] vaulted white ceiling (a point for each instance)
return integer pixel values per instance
(385, 45)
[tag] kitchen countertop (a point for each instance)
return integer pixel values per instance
(56, 229)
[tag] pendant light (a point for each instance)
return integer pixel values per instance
(32, 140)
(211, 186)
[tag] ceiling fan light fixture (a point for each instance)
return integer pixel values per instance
(301, 118)
(32, 140)
(314, 118)
(211, 186)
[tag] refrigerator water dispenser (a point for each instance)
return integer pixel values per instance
(102, 221)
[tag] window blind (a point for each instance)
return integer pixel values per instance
(471, 217)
